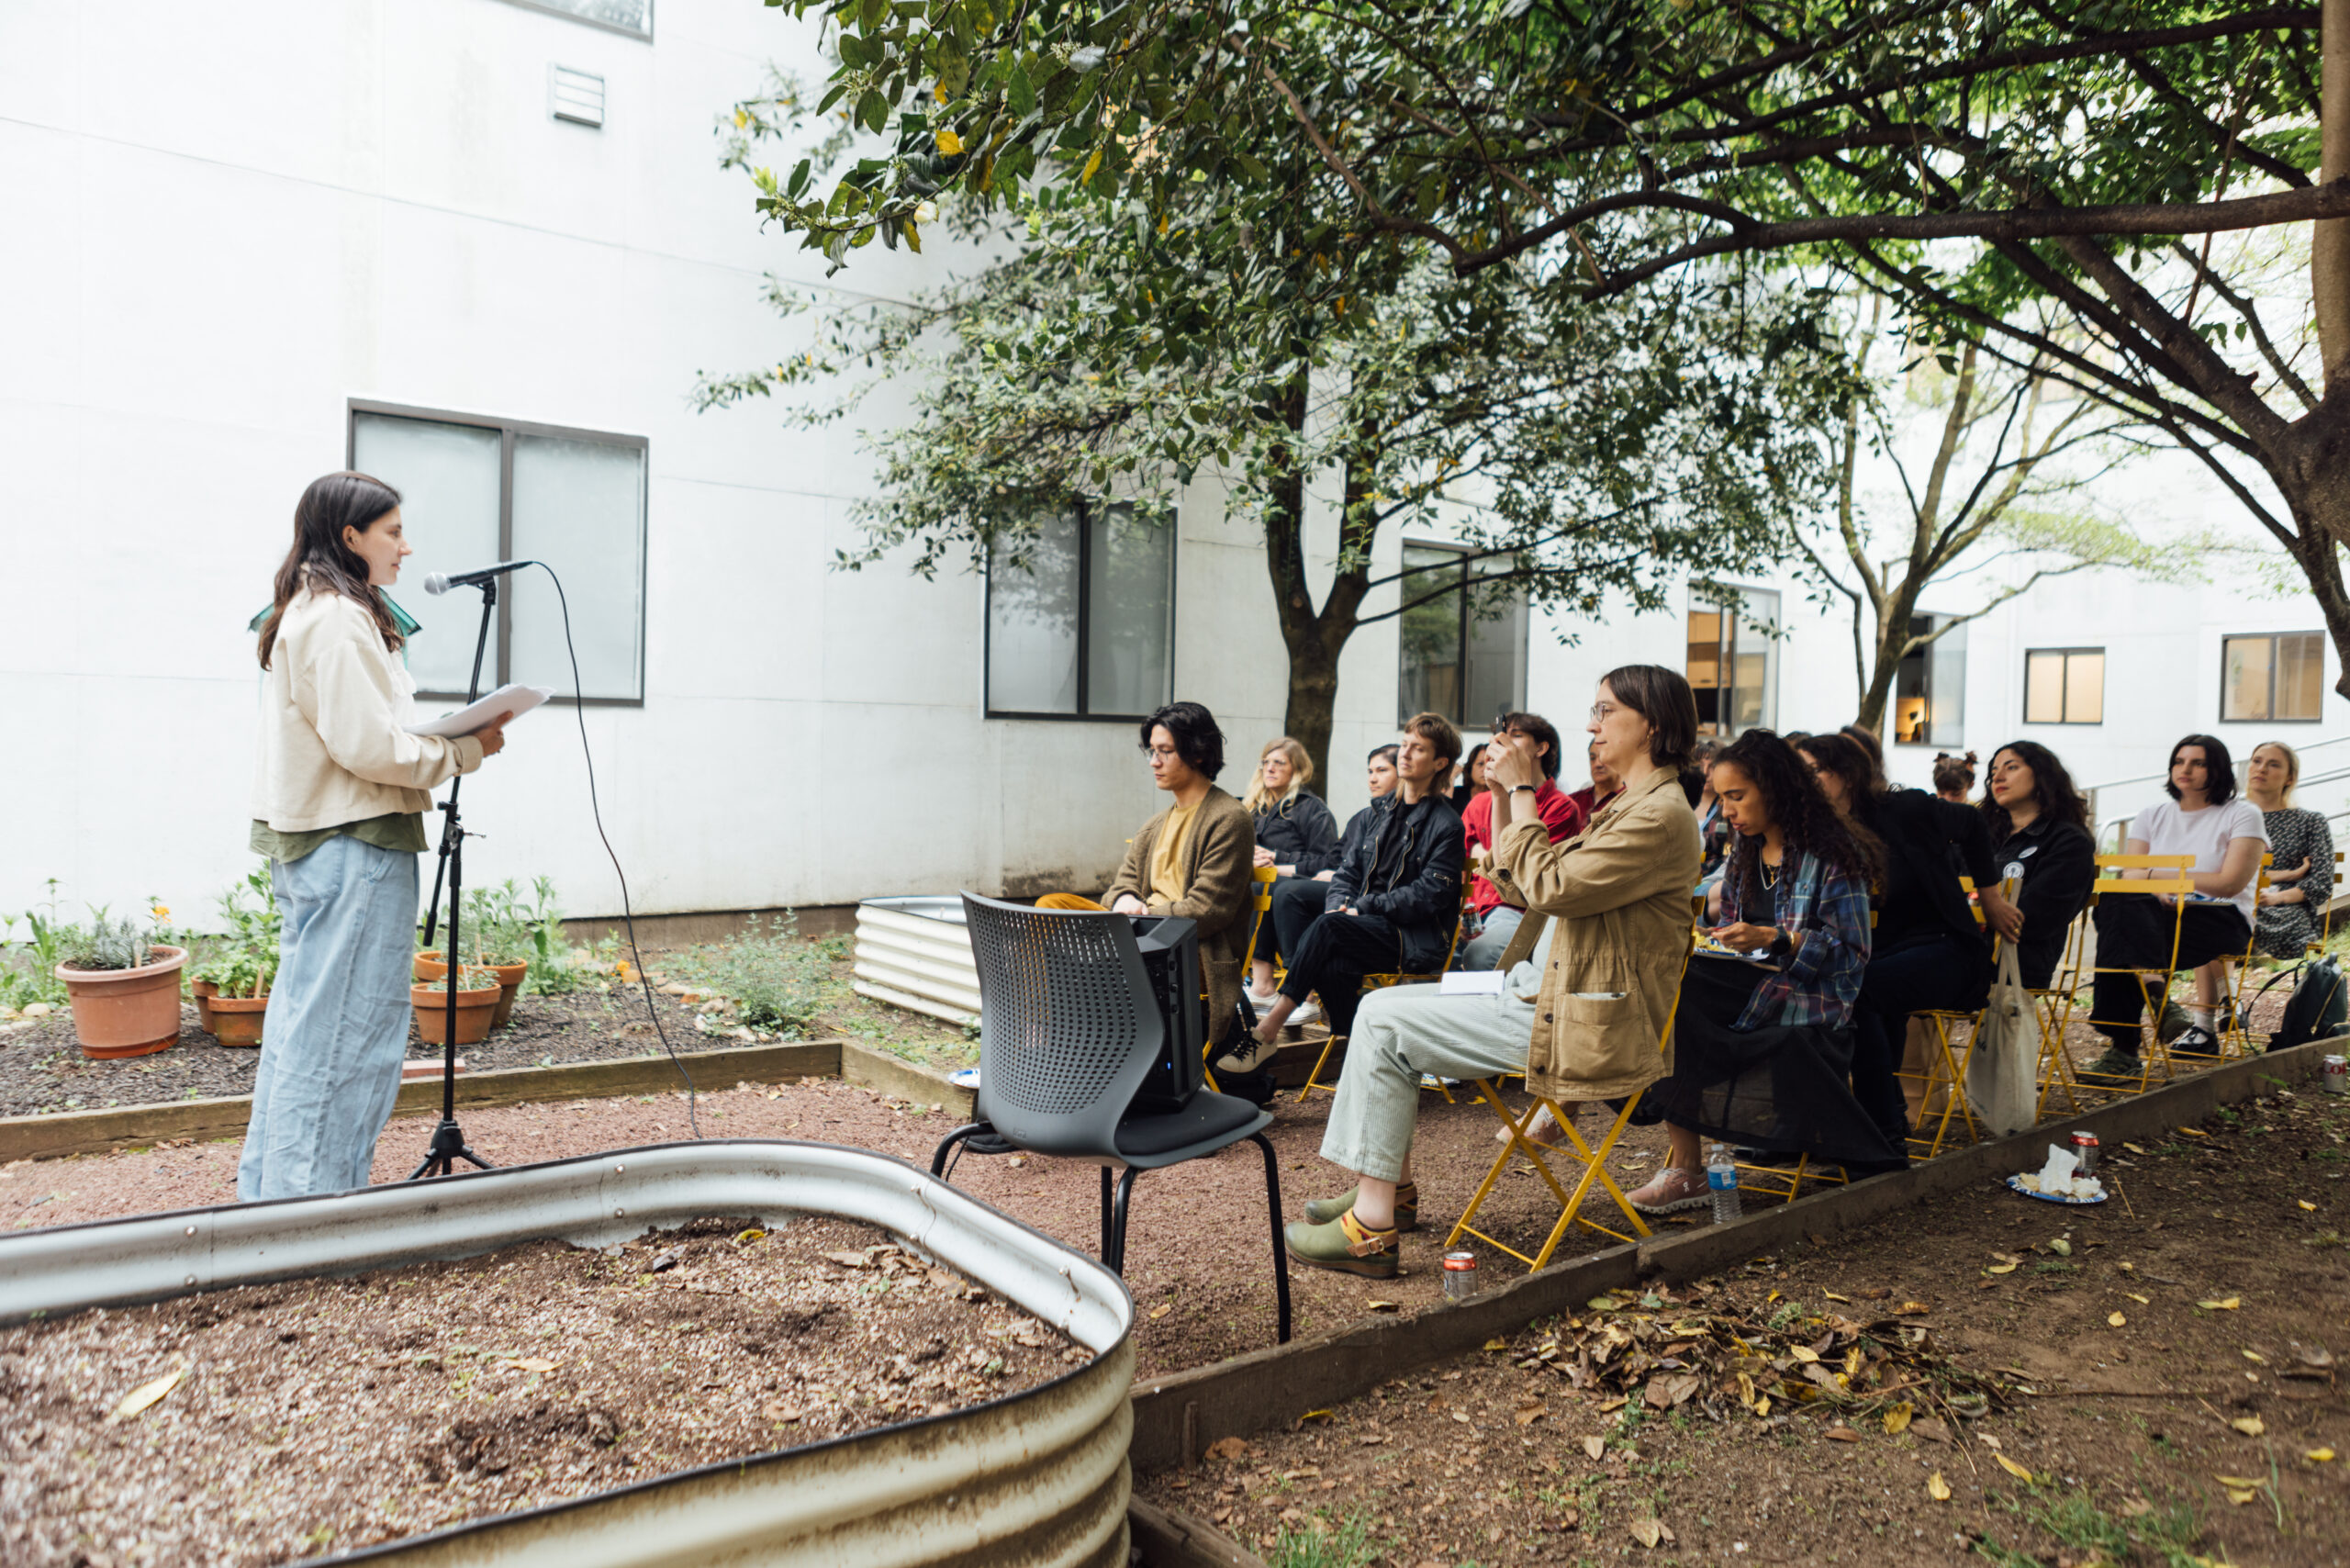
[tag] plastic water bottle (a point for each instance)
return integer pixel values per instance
(1721, 1180)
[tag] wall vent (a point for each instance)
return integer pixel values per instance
(575, 96)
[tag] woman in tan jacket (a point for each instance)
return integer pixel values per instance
(1595, 999)
(339, 795)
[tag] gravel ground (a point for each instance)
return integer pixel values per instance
(296, 1419)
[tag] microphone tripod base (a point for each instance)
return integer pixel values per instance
(448, 1148)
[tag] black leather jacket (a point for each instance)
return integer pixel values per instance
(1301, 832)
(1405, 866)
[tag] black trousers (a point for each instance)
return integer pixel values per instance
(1297, 903)
(1941, 973)
(1332, 954)
(2133, 933)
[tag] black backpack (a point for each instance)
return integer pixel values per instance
(2319, 1003)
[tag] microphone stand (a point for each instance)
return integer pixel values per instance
(449, 1144)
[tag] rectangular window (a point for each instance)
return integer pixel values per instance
(1733, 663)
(2064, 686)
(2278, 677)
(1929, 686)
(633, 17)
(476, 491)
(1463, 644)
(1081, 618)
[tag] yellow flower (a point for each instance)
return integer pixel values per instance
(950, 143)
(163, 913)
(740, 119)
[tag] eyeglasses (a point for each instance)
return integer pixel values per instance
(1160, 753)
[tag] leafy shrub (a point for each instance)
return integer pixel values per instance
(243, 961)
(776, 980)
(110, 944)
(504, 927)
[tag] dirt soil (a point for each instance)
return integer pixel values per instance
(2153, 1381)
(42, 1069)
(297, 1419)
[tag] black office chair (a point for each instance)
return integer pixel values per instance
(1068, 1030)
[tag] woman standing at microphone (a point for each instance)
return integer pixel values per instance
(339, 796)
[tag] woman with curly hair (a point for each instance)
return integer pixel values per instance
(2040, 836)
(1761, 1043)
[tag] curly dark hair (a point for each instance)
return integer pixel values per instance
(2051, 785)
(1197, 740)
(1806, 823)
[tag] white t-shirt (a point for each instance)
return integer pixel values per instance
(2205, 835)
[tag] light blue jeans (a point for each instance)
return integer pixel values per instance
(1484, 950)
(336, 1028)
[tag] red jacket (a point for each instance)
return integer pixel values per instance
(1558, 810)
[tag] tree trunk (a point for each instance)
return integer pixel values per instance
(2329, 242)
(1314, 638)
(1893, 619)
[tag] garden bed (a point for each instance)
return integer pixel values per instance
(323, 1416)
(43, 1071)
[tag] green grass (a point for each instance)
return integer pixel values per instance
(2082, 1529)
(1343, 1543)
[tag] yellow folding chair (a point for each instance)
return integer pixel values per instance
(2325, 915)
(2235, 975)
(1946, 1068)
(2111, 884)
(1591, 1157)
(2053, 1007)
(1380, 982)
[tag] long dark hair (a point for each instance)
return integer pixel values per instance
(320, 558)
(2219, 769)
(2051, 786)
(1808, 824)
(1848, 761)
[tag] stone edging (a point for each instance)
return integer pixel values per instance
(96, 1132)
(1176, 1417)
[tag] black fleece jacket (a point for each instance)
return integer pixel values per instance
(1405, 868)
(1301, 832)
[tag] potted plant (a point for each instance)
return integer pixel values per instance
(125, 990)
(477, 994)
(501, 933)
(233, 984)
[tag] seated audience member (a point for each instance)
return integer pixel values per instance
(1496, 917)
(1865, 738)
(2225, 835)
(1954, 777)
(2040, 838)
(1600, 790)
(2292, 910)
(1303, 899)
(1193, 860)
(1761, 1043)
(1472, 779)
(1928, 955)
(1612, 908)
(1713, 828)
(1296, 836)
(1391, 906)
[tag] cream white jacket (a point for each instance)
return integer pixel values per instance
(333, 700)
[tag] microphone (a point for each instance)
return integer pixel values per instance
(442, 582)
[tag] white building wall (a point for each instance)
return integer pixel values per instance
(224, 226)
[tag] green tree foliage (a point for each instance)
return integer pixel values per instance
(2087, 188)
(1116, 355)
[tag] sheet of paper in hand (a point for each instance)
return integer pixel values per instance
(515, 700)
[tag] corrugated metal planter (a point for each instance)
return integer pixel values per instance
(1036, 1478)
(915, 953)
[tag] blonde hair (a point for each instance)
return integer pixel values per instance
(1301, 773)
(2292, 769)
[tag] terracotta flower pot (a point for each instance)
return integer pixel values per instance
(236, 1020)
(475, 1010)
(205, 991)
(510, 983)
(127, 1013)
(429, 966)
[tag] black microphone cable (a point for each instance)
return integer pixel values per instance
(579, 709)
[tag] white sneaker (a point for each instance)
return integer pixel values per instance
(1308, 1012)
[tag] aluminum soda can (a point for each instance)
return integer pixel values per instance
(2085, 1150)
(2337, 1075)
(1459, 1275)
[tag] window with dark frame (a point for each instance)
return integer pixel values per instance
(1731, 662)
(2064, 686)
(1463, 648)
(476, 490)
(2273, 677)
(1081, 618)
(1929, 686)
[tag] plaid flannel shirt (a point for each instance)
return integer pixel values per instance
(1818, 983)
